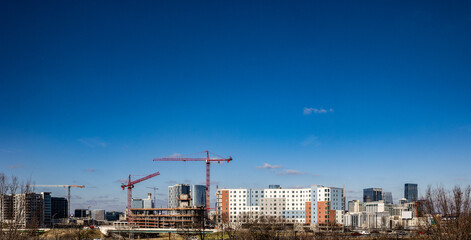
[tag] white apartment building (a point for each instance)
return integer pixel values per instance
(314, 205)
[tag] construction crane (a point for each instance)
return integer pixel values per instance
(130, 186)
(155, 190)
(207, 160)
(63, 186)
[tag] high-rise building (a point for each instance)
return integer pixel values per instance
(47, 209)
(411, 192)
(372, 194)
(198, 195)
(59, 208)
(387, 197)
(6, 207)
(28, 210)
(174, 193)
(314, 205)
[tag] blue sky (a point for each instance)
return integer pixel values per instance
(355, 93)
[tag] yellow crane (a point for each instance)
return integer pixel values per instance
(62, 186)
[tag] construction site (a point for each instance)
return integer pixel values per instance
(183, 211)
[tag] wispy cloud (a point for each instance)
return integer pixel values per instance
(461, 179)
(310, 110)
(290, 172)
(269, 166)
(90, 170)
(175, 155)
(315, 175)
(15, 166)
(171, 182)
(92, 142)
(311, 140)
(122, 180)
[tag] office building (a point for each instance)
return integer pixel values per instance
(198, 195)
(315, 205)
(372, 194)
(143, 203)
(81, 213)
(112, 216)
(411, 192)
(59, 208)
(174, 193)
(387, 197)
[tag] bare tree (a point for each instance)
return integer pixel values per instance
(447, 213)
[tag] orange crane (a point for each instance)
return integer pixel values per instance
(130, 186)
(207, 160)
(64, 186)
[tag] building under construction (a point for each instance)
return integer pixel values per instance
(183, 216)
(187, 217)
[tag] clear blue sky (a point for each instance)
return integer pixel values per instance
(355, 93)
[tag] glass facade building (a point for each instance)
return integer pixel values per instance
(198, 195)
(372, 194)
(410, 192)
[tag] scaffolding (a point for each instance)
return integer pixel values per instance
(188, 217)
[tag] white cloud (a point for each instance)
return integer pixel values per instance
(309, 111)
(290, 172)
(268, 166)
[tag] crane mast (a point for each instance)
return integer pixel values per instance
(130, 186)
(64, 186)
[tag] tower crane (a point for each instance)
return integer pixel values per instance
(64, 186)
(130, 186)
(207, 160)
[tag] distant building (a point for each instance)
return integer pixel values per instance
(148, 203)
(411, 192)
(112, 216)
(387, 197)
(372, 194)
(317, 205)
(28, 209)
(354, 206)
(59, 208)
(98, 214)
(137, 203)
(273, 186)
(198, 195)
(6, 207)
(81, 213)
(142, 203)
(174, 193)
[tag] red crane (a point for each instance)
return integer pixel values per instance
(207, 160)
(130, 186)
